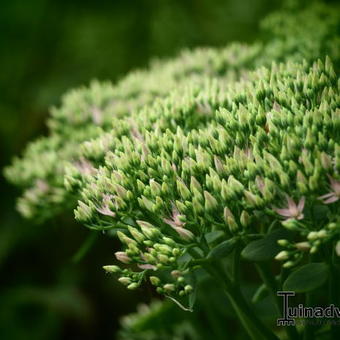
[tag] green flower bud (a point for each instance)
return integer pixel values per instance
(303, 246)
(282, 256)
(283, 243)
(326, 161)
(232, 224)
(163, 258)
(290, 224)
(183, 190)
(154, 280)
(210, 202)
(125, 239)
(155, 187)
(139, 237)
(288, 264)
(146, 203)
(124, 280)
(188, 289)
(121, 191)
(132, 286)
(313, 235)
(235, 185)
(169, 287)
(180, 279)
(112, 269)
(244, 218)
(252, 199)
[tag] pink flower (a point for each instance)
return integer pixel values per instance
(178, 225)
(174, 221)
(334, 195)
(293, 210)
(105, 209)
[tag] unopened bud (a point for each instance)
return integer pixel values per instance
(210, 202)
(154, 280)
(132, 286)
(282, 256)
(303, 246)
(244, 218)
(112, 269)
(122, 257)
(124, 280)
(169, 287)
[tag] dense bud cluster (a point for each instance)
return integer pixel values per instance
(264, 152)
(216, 145)
(86, 113)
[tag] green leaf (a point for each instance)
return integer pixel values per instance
(192, 299)
(307, 278)
(223, 249)
(266, 248)
(214, 236)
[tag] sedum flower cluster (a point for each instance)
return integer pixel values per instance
(224, 158)
(202, 155)
(88, 113)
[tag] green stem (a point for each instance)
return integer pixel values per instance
(269, 280)
(334, 291)
(253, 325)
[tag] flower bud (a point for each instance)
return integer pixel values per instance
(188, 289)
(183, 190)
(122, 257)
(244, 218)
(139, 237)
(210, 202)
(124, 280)
(337, 248)
(185, 234)
(233, 226)
(235, 185)
(125, 239)
(283, 243)
(154, 280)
(132, 286)
(282, 256)
(252, 200)
(169, 287)
(111, 269)
(303, 246)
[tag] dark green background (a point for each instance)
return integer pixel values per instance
(47, 47)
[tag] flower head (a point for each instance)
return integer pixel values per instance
(293, 210)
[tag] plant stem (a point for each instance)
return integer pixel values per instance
(333, 291)
(269, 280)
(253, 325)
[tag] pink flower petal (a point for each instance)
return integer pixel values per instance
(291, 203)
(330, 194)
(106, 211)
(170, 222)
(331, 200)
(301, 204)
(283, 212)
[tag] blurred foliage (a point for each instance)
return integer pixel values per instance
(48, 47)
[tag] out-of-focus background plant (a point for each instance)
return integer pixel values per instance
(48, 289)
